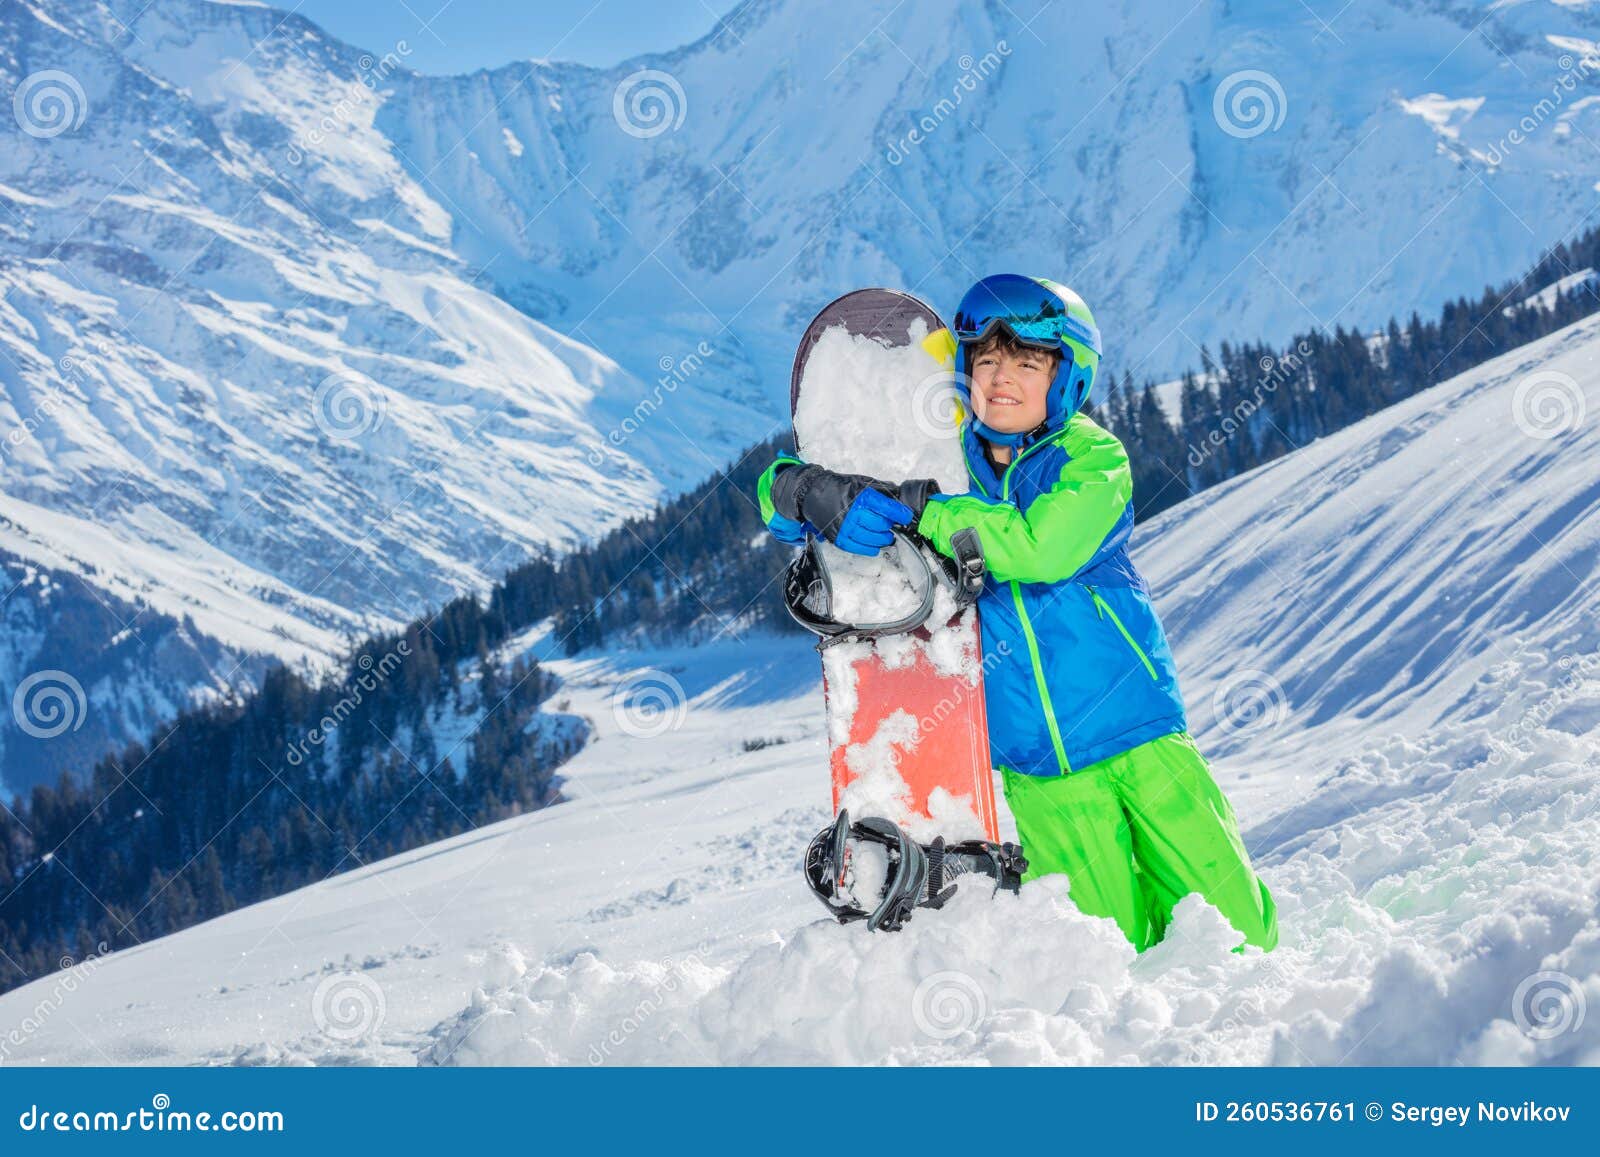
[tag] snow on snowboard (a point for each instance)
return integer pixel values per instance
(873, 392)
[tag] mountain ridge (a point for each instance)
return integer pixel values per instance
(306, 341)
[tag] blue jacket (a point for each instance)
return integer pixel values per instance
(1077, 666)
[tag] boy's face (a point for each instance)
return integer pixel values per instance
(1009, 386)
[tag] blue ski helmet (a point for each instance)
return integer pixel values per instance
(1040, 313)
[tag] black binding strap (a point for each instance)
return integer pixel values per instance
(808, 587)
(919, 875)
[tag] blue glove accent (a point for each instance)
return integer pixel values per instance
(789, 531)
(869, 523)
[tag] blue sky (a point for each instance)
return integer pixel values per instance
(447, 36)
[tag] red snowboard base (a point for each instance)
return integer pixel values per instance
(949, 747)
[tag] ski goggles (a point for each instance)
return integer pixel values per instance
(1026, 309)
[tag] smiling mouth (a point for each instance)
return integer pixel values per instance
(1004, 400)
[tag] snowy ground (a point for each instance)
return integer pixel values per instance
(1389, 647)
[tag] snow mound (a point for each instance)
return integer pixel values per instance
(1450, 919)
(581, 1012)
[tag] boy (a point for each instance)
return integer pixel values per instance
(1086, 722)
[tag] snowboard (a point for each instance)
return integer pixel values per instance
(873, 392)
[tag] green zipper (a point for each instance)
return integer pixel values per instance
(1027, 628)
(1038, 679)
(1005, 477)
(1103, 608)
(973, 474)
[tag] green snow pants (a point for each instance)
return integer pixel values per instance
(1138, 832)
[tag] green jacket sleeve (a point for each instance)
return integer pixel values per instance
(764, 484)
(1062, 529)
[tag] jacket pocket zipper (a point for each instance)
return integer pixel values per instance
(1103, 608)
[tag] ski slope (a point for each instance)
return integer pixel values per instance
(1389, 646)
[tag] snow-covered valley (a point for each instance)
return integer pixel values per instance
(1389, 650)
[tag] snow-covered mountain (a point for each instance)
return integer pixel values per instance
(1387, 643)
(297, 342)
(268, 403)
(1198, 171)
(94, 669)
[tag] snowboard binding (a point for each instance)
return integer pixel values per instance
(917, 876)
(808, 588)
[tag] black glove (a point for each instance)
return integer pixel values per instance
(853, 511)
(915, 494)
